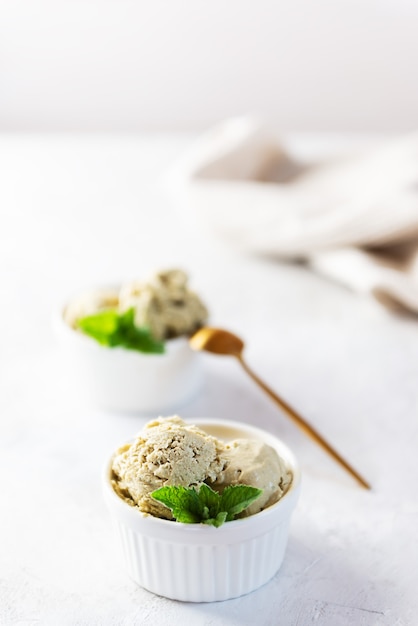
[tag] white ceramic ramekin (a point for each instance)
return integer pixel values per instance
(200, 563)
(121, 380)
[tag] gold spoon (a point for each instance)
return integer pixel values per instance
(220, 341)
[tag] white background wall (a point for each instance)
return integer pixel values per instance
(183, 64)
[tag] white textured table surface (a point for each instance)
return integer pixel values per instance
(82, 210)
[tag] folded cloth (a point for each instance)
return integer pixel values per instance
(353, 219)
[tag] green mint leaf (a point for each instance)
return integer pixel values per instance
(101, 326)
(236, 498)
(183, 502)
(112, 329)
(206, 505)
(210, 500)
(127, 318)
(218, 520)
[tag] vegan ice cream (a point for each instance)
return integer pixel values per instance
(164, 305)
(168, 451)
(252, 462)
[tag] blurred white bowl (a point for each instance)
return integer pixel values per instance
(201, 563)
(118, 379)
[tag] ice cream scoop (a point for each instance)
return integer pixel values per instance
(166, 452)
(252, 462)
(165, 304)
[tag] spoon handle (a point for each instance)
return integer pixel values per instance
(303, 425)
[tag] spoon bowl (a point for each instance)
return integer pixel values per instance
(217, 341)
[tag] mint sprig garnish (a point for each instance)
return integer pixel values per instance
(204, 505)
(111, 328)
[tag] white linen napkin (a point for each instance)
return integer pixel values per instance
(354, 220)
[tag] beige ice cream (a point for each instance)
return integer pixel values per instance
(252, 462)
(166, 452)
(170, 452)
(90, 304)
(164, 304)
